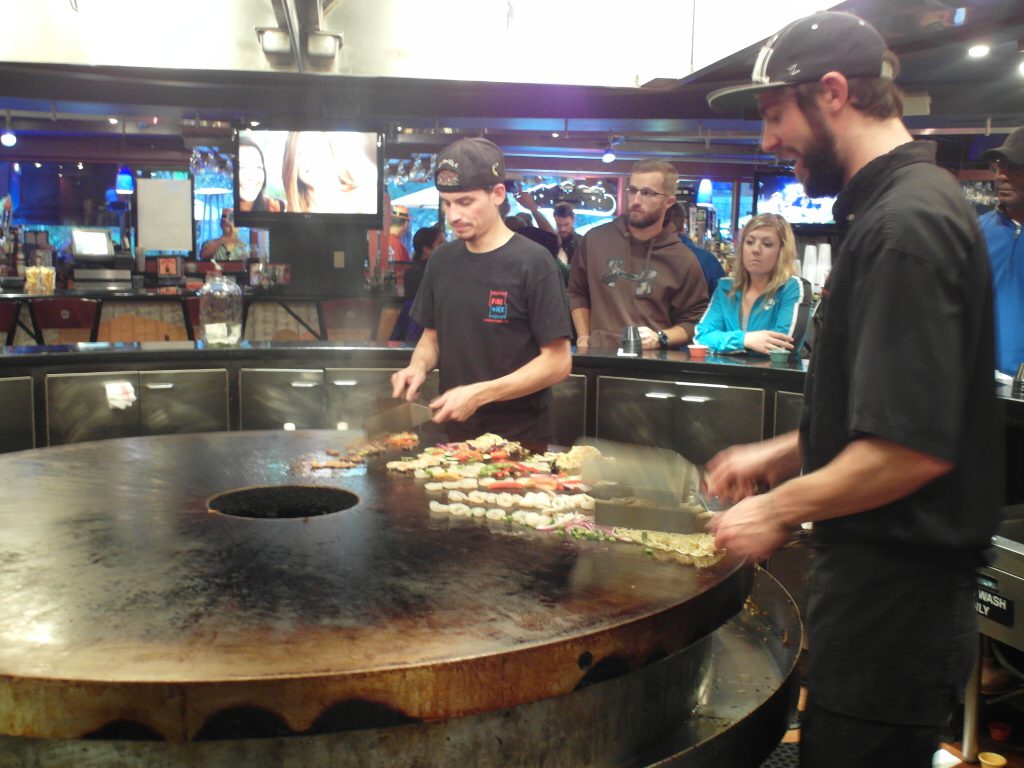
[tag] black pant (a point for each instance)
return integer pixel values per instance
(892, 635)
(838, 741)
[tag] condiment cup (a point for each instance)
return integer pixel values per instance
(991, 760)
(779, 355)
(698, 351)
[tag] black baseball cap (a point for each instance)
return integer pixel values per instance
(1012, 150)
(804, 51)
(472, 163)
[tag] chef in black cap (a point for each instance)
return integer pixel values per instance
(493, 308)
(894, 462)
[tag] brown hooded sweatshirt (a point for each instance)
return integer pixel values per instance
(624, 281)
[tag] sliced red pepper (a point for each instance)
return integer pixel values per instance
(506, 485)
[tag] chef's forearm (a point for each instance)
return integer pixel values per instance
(867, 474)
(425, 355)
(549, 367)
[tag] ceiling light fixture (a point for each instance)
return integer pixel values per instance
(8, 139)
(112, 120)
(1021, 68)
(978, 51)
(608, 156)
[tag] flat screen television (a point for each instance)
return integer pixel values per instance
(780, 192)
(91, 245)
(295, 176)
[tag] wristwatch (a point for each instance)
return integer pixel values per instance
(662, 339)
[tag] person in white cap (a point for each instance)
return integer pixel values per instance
(895, 462)
(493, 309)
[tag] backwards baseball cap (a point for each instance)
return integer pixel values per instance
(806, 50)
(471, 163)
(1012, 150)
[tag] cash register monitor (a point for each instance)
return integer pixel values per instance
(91, 246)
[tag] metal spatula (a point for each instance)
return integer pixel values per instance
(392, 418)
(651, 489)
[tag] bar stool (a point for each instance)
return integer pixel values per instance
(64, 321)
(9, 320)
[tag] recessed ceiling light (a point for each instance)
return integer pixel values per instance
(554, 134)
(978, 51)
(254, 123)
(112, 120)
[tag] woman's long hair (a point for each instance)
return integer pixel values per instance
(785, 267)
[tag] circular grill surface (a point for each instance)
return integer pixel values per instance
(126, 601)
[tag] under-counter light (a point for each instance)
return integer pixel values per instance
(658, 395)
(8, 139)
(978, 51)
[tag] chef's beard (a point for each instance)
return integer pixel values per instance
(824, 173)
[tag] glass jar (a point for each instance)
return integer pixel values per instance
(220, 310)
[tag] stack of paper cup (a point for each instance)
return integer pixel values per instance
(824, 263)
(810, 265)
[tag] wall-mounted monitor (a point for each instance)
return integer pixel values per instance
(780, 192)
(91, 245)
(296, 176)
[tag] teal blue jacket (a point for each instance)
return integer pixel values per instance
(786, 312)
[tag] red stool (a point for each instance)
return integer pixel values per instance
(68, 320)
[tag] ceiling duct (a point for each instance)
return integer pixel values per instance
(299, 38)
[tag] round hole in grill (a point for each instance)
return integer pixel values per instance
(279, 502)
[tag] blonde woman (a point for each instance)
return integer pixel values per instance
(765, 305)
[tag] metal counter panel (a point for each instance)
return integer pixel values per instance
(788, 406)
(696, 420)
(17, 414)
(569, 409)
(269, 398)
(184, 401)
(77, 408)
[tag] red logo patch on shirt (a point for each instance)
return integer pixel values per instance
(497, 307)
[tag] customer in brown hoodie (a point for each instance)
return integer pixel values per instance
(633, 271)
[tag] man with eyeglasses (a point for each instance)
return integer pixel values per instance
(635, 271)
(1005, 251)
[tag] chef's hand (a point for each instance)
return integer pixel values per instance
(407, 382)
(766, 341)
(750, 529)
(734, 473)
(648, 338)
(457, 404)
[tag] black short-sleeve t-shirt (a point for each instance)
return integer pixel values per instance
(904, 351)
(492, 312)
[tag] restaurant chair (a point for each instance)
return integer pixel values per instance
(64, 321)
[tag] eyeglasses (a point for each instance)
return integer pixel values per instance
(1011, 169)
(645, 193)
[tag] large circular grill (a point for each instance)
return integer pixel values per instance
(131, 609)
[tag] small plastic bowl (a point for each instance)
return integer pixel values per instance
(991, 760)
(780, 355)
(999, 730)
(698, 351)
